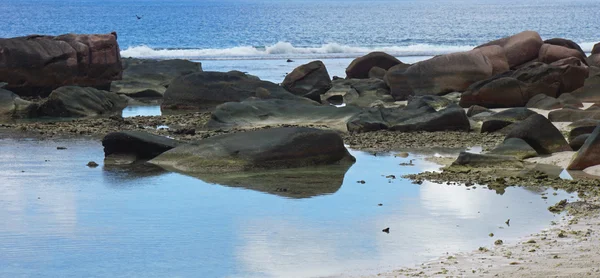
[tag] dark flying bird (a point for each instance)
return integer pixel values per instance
(138, 17)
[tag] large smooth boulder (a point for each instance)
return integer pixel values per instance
(310, 80)
(360, 67)
(520, 48)
(126, 147)
(201, 90)
(12, 106)
(551, 53)
(566, 43)
(540, 134)
(274, 148)
(514, 147)
(505, 118)
(378, 73)
(259, 113)
(35, 65)
(357, 92)
(73, 101)
(516, 88)
(451, 72)
(150, 78)
(397, 81)
(588, 154)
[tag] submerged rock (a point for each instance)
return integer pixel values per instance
(276, 148)
(540, 134)
(35, 65)
(126, 147)
(150, 78)
(72, 101)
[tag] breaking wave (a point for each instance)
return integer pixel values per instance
(287, 50)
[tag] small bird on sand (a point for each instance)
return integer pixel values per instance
(138, 17)
(386, 230)
(507, 222)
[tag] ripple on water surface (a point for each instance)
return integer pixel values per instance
(62, 218)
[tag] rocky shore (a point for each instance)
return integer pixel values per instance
(531, 105)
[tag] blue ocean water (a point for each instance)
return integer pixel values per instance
(262, 29)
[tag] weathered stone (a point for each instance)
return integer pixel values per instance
(397, 81)
(588, 154)
(569, 99)
(585, 126)
(310, 80)
(203, 90)
(35, 65)
(150, 78)
(540, 134)
(259, 113)
(12, 106)
(73, 101)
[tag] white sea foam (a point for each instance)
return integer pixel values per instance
(287, 50)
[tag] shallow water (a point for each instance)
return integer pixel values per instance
(63, 219)
(141, 110)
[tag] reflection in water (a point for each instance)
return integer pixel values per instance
(141, 110)
(63, 219)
